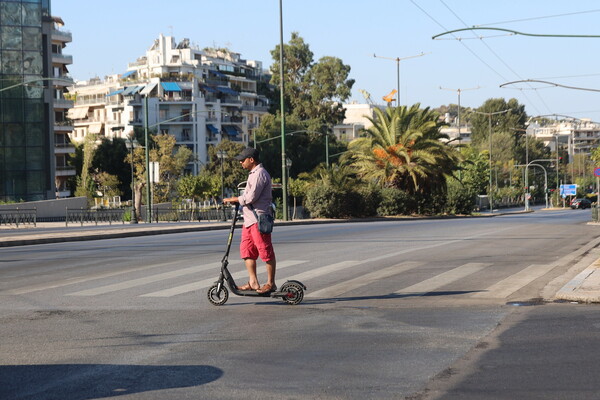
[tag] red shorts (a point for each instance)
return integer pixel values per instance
(255, 244)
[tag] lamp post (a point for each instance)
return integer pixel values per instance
(133, 210)
(490, 149)
(284, 182)
(459, 90)
(221, 154)
(398, 59)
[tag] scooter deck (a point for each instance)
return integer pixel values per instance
(275, 293)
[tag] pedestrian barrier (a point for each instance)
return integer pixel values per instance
(84, 215)
(180, 214)
(16, 216)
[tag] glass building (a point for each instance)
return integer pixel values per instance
(26, 114)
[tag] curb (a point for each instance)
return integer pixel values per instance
(584, 287)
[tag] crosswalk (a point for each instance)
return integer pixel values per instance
(342, 278)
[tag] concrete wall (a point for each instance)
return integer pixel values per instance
(50, 208)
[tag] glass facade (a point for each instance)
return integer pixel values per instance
(25, 169)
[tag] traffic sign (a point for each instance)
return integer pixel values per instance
(568, 190)
(597, 171)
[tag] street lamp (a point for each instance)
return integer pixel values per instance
(284, 182)
(490, 149)
(398, 59)
(458, 117)
(131, 144)
(221, 155)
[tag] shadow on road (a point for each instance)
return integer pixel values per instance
(92, 381)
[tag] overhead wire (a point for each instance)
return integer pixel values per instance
(502, 61)
(542, 17)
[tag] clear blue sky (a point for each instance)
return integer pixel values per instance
(109, 34)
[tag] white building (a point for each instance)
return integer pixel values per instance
(579, 135)
(355, 121)
(199, 96)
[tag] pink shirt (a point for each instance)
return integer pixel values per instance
(258, 193)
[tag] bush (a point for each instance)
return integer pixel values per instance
(324, 201)
(395, 202)
(460, 200)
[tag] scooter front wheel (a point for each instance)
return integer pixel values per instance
(217, 297)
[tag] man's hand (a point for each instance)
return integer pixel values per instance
(230, 200)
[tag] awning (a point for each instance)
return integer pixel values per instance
(115, 92)
(149, 87)
(227, 90)
(212, 129)
(230, 130)
(170, 86)
(217, 73)
(95, 128)
(131, 90)
(128, 73)
(208, 88)
(78, 113)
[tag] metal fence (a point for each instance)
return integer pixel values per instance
(83, 215)
(180, 214)
(17, 216)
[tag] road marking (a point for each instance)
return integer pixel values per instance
(516, 281)
(81, 279)
(437, 281)
(203, 284)
(367, 279)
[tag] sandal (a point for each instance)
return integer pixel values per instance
(266, 288)
(247, 286)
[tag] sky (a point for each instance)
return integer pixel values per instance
(109, 34)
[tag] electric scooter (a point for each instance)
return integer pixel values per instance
(291, 292)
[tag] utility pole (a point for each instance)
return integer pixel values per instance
(398, 59)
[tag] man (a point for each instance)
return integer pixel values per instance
(257, 196)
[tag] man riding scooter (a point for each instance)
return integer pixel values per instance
(256, 200)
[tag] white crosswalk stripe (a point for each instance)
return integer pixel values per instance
(82, 279)
(511, 284)
(442, 279)
(363, 280)
(203, 284)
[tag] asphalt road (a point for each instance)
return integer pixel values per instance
(390, 306)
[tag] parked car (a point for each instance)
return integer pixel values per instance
(581, 203)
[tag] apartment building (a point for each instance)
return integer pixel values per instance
(200, 96)
(62, 125)
(576, 135)
(27, 162)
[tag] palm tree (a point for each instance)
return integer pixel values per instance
(403, 149)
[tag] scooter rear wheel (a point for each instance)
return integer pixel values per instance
(216, 297)
(295, 293)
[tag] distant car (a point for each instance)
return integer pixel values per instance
(581, 203)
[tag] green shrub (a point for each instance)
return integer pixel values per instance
(324, 201)
(460, 200)
(395, 202)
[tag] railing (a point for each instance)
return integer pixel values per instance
(18, 216)
(179, 214)
(84, 215)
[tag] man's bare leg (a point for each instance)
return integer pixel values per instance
(252, 279)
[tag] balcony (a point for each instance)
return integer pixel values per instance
(63, 81)
(62, 103)
(61, 35)
(61, 59)
(65, 170)
(63, 126)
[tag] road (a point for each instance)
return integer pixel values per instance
(390, 308)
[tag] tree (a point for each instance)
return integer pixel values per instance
(512, 121)
(172, 161)
(403, 149)
(110, 156)
(313, 91)
(85, 183)
(233, 173)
